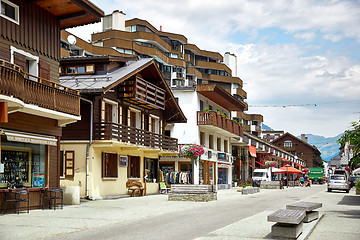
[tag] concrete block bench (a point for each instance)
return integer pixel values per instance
(247, 190)
(256, 189)
(288, 223)
(308, 207)
(189, 192)
(270, 185)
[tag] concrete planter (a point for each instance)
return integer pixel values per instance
(239, 189)
(71, 195)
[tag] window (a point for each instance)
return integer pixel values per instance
(109, 165)
(225, 146)
(109, 111)
(202, 139)
(134, 167)
(152, 166)
(154, 124)
(69, 163)
(219, 144)
(80, 69)
(62, 164)
(211, 141)
(10, 11)
(288, 143)
(210, 107)
(201, 105)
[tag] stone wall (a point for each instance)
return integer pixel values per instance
(194, 197)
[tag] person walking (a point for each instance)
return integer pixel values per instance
(301, 181)
(306, 179)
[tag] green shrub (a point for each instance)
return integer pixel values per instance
(357, 184)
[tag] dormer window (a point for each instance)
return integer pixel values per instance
(10, 11)
(84, 69)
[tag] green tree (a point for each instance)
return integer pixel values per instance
(352, 136)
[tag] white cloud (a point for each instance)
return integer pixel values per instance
(277, 73)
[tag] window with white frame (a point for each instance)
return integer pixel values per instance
(109, 111)
(154, 122)
(32, 61)
(10, 11)
(288, 143)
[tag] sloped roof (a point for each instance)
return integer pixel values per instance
(298, 139)
(104, 82)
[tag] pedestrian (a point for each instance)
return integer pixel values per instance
(275, 178)
(301, 181)
(306, 179)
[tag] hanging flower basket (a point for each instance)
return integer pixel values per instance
(270, 164)
(192, 151)
(306, 170)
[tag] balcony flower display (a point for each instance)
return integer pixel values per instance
(306, 170)
(192, 151)
(270, 164)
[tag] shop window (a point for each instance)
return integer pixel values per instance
(109, 165)
(10, 11)
(288, 143)
(152, 166)
(211, 141)
(222, 175)
(166, 167)
(134, 167)
(22, 164)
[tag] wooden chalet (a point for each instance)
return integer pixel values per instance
(33, 105)
(125, 108)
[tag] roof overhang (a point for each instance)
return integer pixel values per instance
(72, 13)
(220, 96)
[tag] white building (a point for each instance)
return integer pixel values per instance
(206, 108)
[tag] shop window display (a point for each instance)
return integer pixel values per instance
(22, 164)
(151, 166)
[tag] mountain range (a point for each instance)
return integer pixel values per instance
(328, 146)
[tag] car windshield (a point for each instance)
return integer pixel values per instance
(258, 174)
(337, 177)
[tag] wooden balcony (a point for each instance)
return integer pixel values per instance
(218, 121)
(37, 91)
(142, 93)
(126, 134)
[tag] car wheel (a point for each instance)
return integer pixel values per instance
(329, 190)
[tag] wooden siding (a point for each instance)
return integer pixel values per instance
(81, 129)
(54, 178)
(38, 30)
(34, 124)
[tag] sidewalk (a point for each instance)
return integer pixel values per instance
(337, 208)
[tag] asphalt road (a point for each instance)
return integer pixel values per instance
(198, 220)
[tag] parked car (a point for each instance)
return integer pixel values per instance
(353, 180)
(338, 182)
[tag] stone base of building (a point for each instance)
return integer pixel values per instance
(193, 197)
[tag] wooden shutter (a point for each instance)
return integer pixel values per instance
(20, 60)
(69, 163)
(44, 70)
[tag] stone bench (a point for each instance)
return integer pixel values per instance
(270, 185)
(189, 192)
(308, 207)
(288, 223)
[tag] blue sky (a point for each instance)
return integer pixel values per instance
(289, 52)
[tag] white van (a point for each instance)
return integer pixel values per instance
(261, 174)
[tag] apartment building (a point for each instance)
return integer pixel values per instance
(207, 108)
(33, 105)
(125, 107)
(271, 135)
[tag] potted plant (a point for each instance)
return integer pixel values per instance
(192, 151)
(221, 114)
(206, 110)
(234, 120)
(357, 186)
(217, 112)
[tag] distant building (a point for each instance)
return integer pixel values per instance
(300, 148)
(271, 135)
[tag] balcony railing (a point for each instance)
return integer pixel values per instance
(126, 134)
(141, 92)
(38, 91)
(214, 119)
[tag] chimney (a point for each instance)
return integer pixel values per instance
(303, 138)
(115, 21)
(160, 28)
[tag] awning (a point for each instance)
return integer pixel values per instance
(252, 166)
(252, 151)
(261, 163)
(29, 138)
